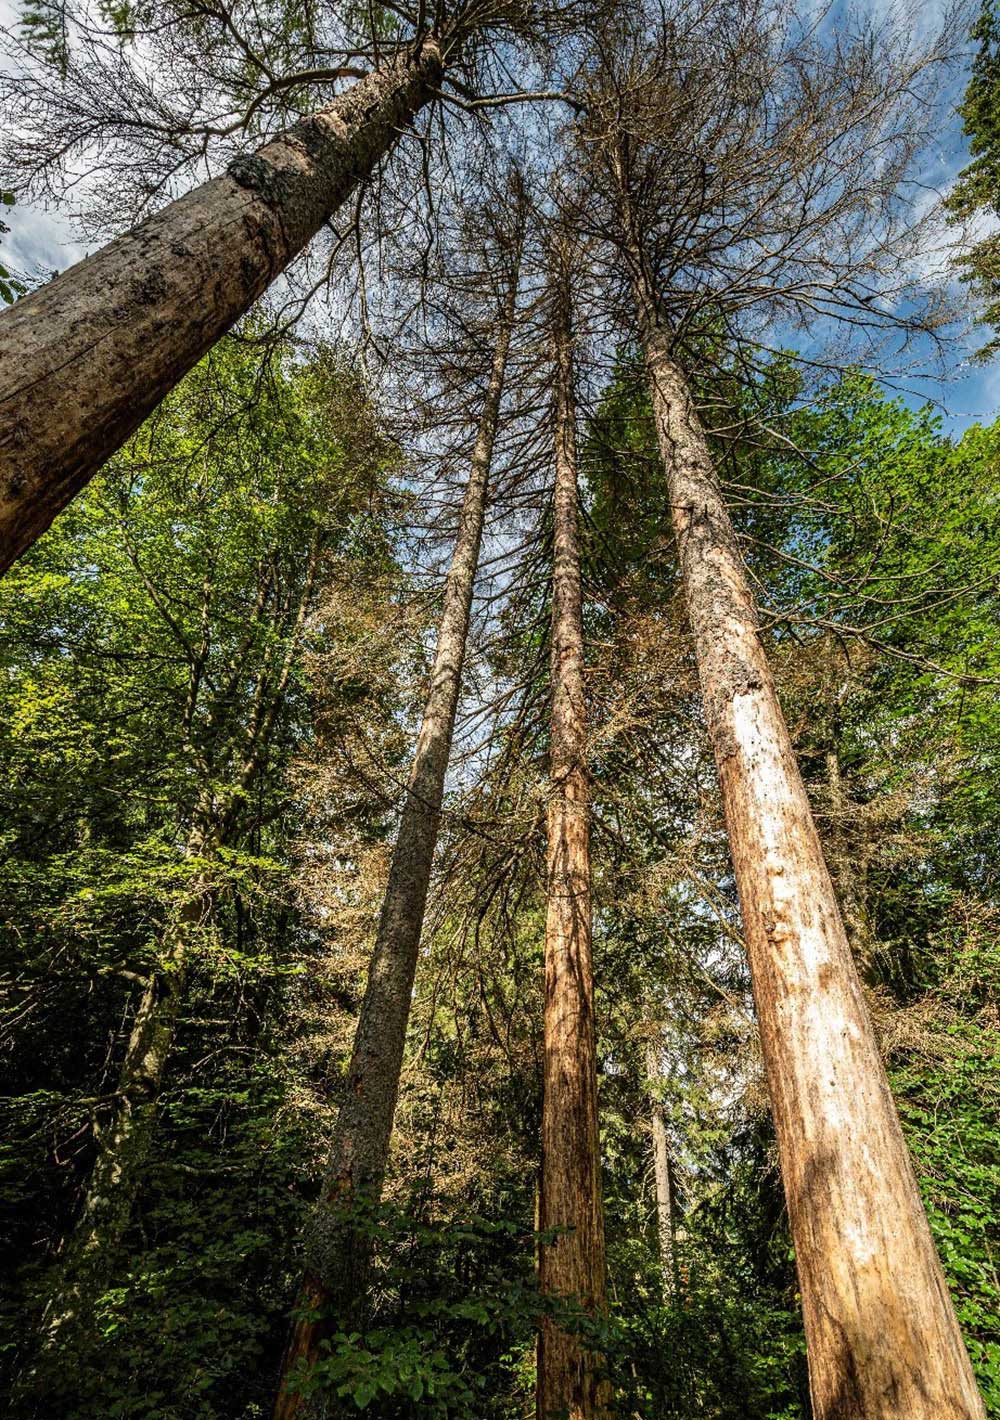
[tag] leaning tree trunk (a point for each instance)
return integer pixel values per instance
(333, 1290)
(662, 1178)
(85, 358)
(572, 1265)
(882, 1337)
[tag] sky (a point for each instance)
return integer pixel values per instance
(42, 241)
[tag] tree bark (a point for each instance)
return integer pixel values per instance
(85, 358)
(572, 1267)
(333, 1290)
(883, 1340)
(662, 1179)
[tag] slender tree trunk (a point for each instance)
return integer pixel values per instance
(662, 1179)
(842, 866)
(572, 1266)
(86, 357)
(123, 1147)
(883, 1340)
(332, 1294)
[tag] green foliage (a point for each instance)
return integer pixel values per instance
(875, 544)
(10, 286)
(977, 190)
(152, 670)
(138, 641)
(900, 559)
(979, 183)
(455, 1325)
(719, 1355)
(45, 29)
(945, 1079)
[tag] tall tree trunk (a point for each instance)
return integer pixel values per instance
(883, 1341)
(123, 1147)
(332, 1294)
(85, 358)
(572, 1266)
(662, 1178)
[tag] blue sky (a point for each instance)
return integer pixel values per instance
(41, 241)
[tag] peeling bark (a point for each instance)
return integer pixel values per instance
(573, 1266)
(85, 358)
(883, 1340)
(333, 1291)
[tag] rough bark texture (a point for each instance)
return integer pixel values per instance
(338, 1254)
(883, 1341)
(662, 1179)
(85, 358)
(572, 1266)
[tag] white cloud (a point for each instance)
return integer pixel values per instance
(39, 242)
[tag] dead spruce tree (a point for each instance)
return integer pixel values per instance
(753, 173)
(333, 1291)
(571, 1263)
(86, 357)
